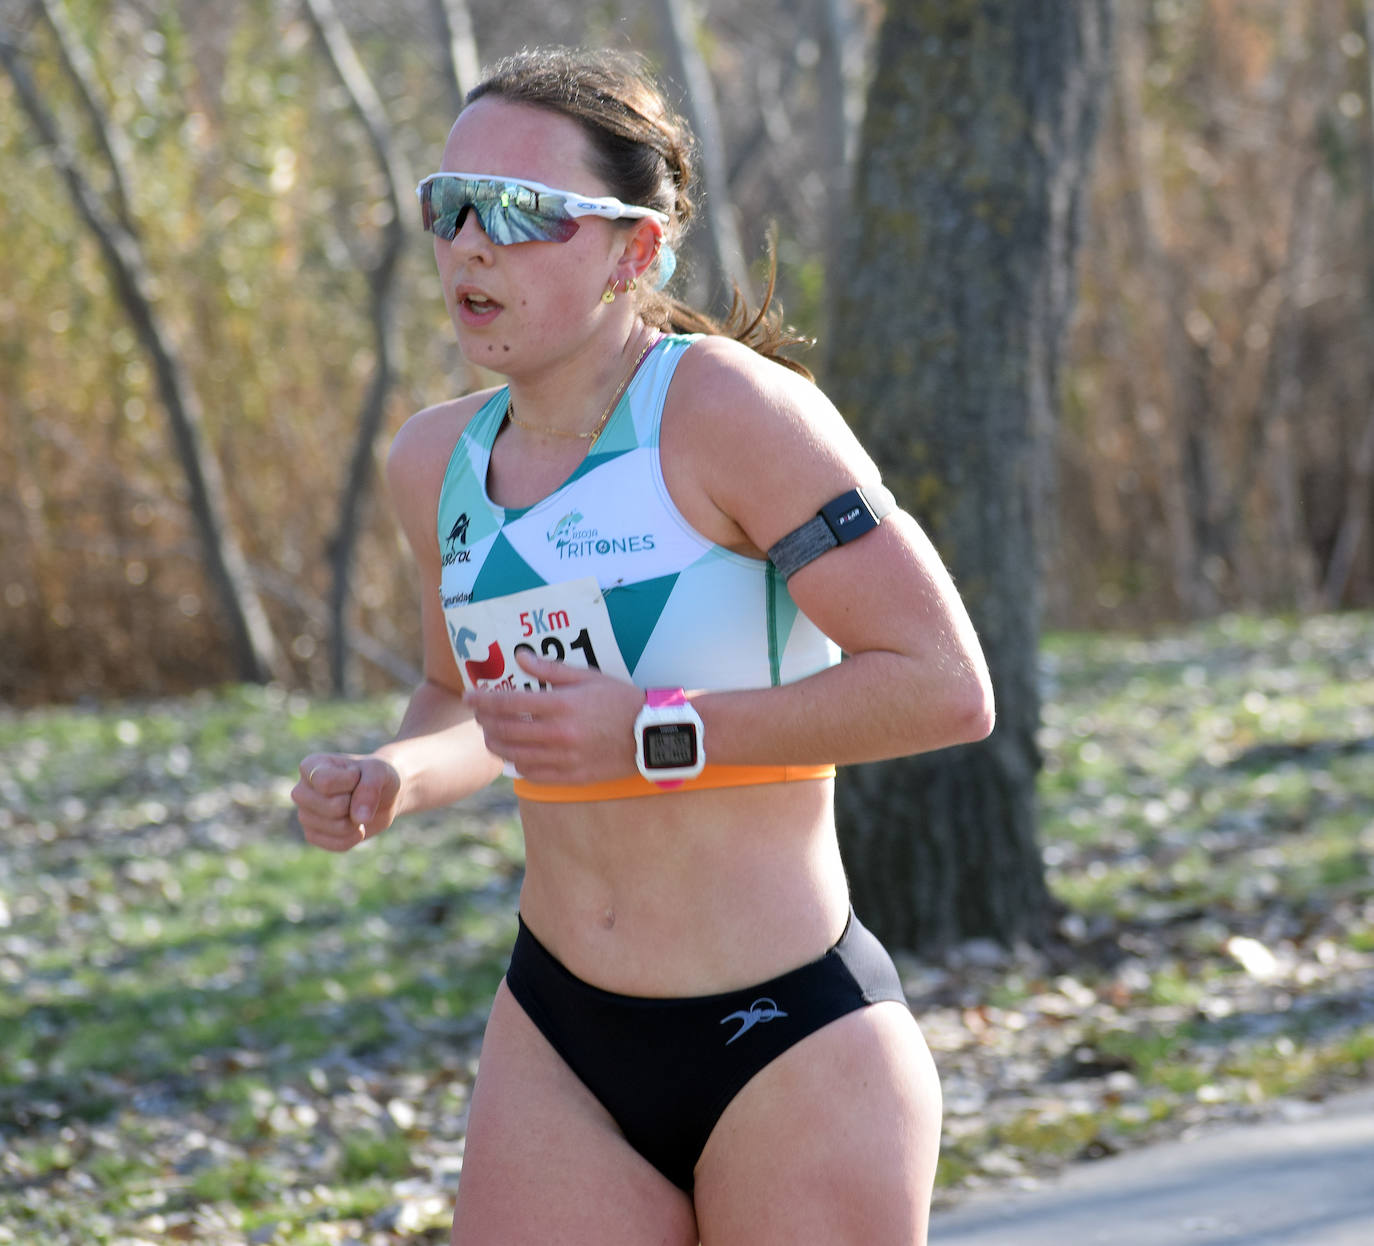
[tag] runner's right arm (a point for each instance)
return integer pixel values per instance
(437, 755)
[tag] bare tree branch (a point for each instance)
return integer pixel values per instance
(774, 124)
(256, 654)
(679, 22)
(462, 66)
(1280, 402)
(841, 112)
(1189, 485)
(287, 590)
(1355, 514)
(362, 97)
(76, 60)
(367, 106)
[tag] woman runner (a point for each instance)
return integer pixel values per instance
(641, 559)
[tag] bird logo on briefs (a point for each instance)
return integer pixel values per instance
(760, 1010)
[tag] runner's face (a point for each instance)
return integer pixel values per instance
(512, 303)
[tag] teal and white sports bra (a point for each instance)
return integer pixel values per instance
(686, 613)
(605, 570)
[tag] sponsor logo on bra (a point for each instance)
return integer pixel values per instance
(572, 539)
(458, 535)
(587, 543)
(569, 521)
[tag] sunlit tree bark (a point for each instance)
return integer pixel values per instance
(1360, 485)
(966, 215)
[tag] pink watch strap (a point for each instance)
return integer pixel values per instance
(657, 698)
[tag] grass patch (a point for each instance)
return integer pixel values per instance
(204, 1019)
(367, 1156)
(211, 1031)
(1207, 819)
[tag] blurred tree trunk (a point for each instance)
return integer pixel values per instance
(841, 110)
(1360, 483)
(1189, 484)
(678, 22)
(462, 66)
(256, 656)
(974, 155)
(381, 280)
(1271, 451)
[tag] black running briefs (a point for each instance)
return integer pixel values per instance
(665, 1069)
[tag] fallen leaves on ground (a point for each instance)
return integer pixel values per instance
(210, 1032)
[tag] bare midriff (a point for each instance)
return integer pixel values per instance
(691, 894)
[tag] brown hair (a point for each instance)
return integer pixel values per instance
(643, 152)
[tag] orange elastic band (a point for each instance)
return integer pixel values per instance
(638, 785)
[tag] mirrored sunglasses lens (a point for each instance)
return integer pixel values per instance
(442, 206)
(507, 214)
(506, 225)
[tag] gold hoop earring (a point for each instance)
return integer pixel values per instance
(608, 296)
(633, 286)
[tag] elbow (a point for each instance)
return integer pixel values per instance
(972, 711)
(986, 718)
(955, 706)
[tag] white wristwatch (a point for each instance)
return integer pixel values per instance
(669, 745)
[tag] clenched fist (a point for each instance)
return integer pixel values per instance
(342, 799)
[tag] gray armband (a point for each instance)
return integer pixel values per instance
(848, 517)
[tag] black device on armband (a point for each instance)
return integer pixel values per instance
(838, 522)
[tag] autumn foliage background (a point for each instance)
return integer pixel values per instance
(1215, 452)
(210, 1031)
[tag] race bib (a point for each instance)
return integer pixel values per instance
(563, 622)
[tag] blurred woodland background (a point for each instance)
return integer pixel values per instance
(250, 167)
(216, 307)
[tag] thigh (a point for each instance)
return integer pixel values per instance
(835, 1141)
(543, 1162)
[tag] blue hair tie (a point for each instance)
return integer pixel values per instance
(667, 266)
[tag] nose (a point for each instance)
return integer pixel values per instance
(469, 233)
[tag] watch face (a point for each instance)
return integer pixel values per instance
(670, 745)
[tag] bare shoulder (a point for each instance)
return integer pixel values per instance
(432, 430)
(764, 443)
(719, 376)
(419, 457)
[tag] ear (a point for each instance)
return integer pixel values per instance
(640, 249)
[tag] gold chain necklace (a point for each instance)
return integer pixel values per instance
(595, 431)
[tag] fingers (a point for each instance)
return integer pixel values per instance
(507, 711)
(373, 790)
(514, 734)
(520, 706)
(330, 776)
(324, 799)
(337, 836)
(576, 729)
(549, 671)
(342, 800)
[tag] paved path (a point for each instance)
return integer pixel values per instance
(1303, 1182)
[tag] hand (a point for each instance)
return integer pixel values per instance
(343, 799)
(578, 729)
